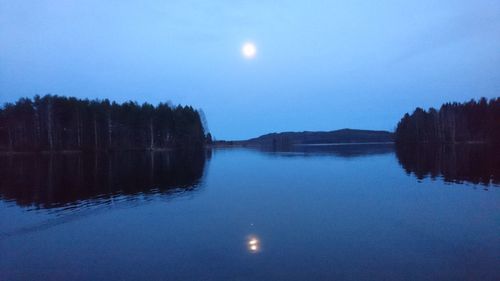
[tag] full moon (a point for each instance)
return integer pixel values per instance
(249, 50)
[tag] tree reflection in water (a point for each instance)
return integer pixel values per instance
(48, 181)
(472, 163)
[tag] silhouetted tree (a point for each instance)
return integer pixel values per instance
(208, 138)
(473, 121)
(57, 123)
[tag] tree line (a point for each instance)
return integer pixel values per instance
(56, 123)
(473, 121)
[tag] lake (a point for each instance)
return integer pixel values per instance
(331, 212)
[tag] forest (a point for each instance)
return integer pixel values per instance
(56, 123)
(469, 122)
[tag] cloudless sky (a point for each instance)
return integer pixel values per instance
(320, 65)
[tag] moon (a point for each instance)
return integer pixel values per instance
(249, 50)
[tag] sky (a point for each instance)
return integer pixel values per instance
(320, 65)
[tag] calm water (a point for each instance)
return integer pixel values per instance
(358, 212)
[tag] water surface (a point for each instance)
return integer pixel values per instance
(354, 212)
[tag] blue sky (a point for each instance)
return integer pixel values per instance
(321, 65)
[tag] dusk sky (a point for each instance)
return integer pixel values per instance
(320, 65)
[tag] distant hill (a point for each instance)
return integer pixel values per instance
(338, 136)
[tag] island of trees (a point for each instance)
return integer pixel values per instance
(470, 122)
(55, 123)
